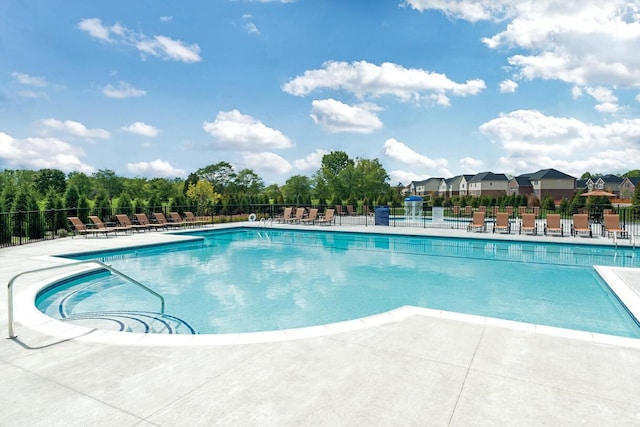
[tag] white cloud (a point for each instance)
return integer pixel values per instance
(532, 140)
(334, 116)
(155, 168)
(508, 86)
(166, 19)
(26, 79)
(140, 128)
(73, 128)
(159, 46)
(365, 79)
(40, 153)
(249, 25)
(399, 151)
(167, 48)
(266, 162)
(233, 130)
(608, 102)
(312, 162)
(590, 43)
(123, 90)
(33, 94)
(469, 164)
(469, 10)
(404, 177)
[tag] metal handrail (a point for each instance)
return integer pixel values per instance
(100, 263)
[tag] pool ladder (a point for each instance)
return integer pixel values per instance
(55, 267)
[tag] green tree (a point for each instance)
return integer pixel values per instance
(84, 184)
(102, 206)
(203, 194)
(71, 200)
(336, 171)
(632, 174)
(635, 200)
(124, 205)
(46, 179)
(108, 182)
(83, 209)
(220, 175)
(548, 203)
(248, 182)
(297, 190)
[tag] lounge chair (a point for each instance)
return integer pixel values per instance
(285, 216)
(177, 219)
(83, 230)
(468, 210)
(199, 222)
(161, 219)
(126, 223)
(311, 219)
(299, 216)
(327, 218)
(502, 223)
(477, 224)
(97, 222)
(581, 225)
(528, 225)
(612, 226)
(350, 211)
(144, 220)
(553, 225)
(339, 210)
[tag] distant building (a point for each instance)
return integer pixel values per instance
(455, 186)
(426, 187)
(488, 184)
(520, 185)
(628, 187)
(610, 183)
(550, 182)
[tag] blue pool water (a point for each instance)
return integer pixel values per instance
(245, 280)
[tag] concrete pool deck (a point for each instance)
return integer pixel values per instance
(423, 368)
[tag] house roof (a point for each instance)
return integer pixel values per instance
(611, 179)
(522, 180)
(635, 180)
(581, 183)
(488, 176)
(458, 178)
(549, 174)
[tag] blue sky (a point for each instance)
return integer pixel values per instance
(429, 87)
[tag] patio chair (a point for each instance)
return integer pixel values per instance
(99, 225)
(144, 220)
(199, 222)
(502, 223)
(581, 225)
(82, 230)
(161, 219)
(528, 225)
(477, 224)
(311, 219)
(327, 218)
(177, 219)
(612, 226)
(350, 211)
(553, 225)
(126, 223)
(298, 217)
(286, 215)
(339, 210)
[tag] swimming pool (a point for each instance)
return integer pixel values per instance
(248, 280)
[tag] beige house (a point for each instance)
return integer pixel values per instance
(550, 182)
(488, 184)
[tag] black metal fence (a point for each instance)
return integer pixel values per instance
(22, 227)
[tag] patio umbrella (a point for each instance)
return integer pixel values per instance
(598, 193)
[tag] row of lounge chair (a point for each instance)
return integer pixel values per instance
(125, 224)
(302, 217)
(580, 225)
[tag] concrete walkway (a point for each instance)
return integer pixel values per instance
(423, 369)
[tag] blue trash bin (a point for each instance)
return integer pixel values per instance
(382, 215)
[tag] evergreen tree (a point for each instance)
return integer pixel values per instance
(71, 197)
(83, 209)
(124, 205)
(102, 207)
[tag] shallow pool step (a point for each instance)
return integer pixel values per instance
(145, 322)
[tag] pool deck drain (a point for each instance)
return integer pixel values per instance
(418, 367)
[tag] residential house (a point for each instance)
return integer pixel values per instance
(628, 187)
(455, 186)
(551, 182)
(610, 183)
(488, 184)
(581, 184)
(426, 187)
(520, 185)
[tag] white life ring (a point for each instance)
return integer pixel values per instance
(252, 217)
